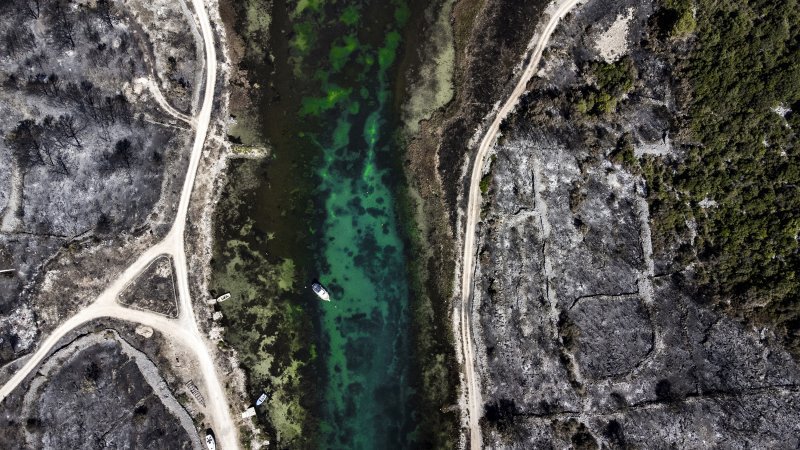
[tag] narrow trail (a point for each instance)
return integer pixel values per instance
(8, 217)
(183, 330)
(555, 12)
(152, 86)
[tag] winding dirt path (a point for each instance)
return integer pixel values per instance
(184, 329)
(152, 86)
(555, 12)
(8, 216)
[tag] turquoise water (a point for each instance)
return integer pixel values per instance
(367, 358)
(322, 206)
(349, 49)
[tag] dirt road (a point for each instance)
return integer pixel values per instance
(555, 12)
(152, 86)
(184, 329)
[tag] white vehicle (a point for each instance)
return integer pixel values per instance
(320, 291)
(210, 442)
(261, 399)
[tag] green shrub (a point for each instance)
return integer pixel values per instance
(746, 60)
(612, 81)
(486, 181)
(685, 25)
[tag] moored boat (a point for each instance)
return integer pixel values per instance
(210, 442)
(320, 291)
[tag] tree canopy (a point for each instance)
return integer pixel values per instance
(739, 181)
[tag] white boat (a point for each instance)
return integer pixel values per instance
(223, 297)
(210, 442)
(320, 291)
(261, 399)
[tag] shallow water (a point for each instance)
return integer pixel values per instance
(328, 121)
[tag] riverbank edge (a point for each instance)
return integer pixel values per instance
(434, 245)
(439, 156)
(209, 186)
(435, 404)
(423, 225)
(241, 116)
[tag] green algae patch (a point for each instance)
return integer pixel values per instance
(263, 322)
(402, 13)
(350, 16)
(372, 128)
(314, 106)
(369, 168)
(304, 5)
(341, 134)
(286, 275)
(304, 37)
(339, 54)
(367, 59)
(387, 53)
(336, 94)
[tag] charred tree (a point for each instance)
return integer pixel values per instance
(62, 27)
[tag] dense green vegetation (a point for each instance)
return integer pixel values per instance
(739, 177)
(612, 81)
(486, 181)
(676, 19)
(623, 153)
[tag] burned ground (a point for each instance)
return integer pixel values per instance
(489, 38)
(85, 149)
(583, 340)
(573, 330)
(96, 391)
(484, 73)
(154, 289)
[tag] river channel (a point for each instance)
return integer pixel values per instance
(327, 202)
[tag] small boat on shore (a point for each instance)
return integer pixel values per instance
(210, 442)
(320, 291)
